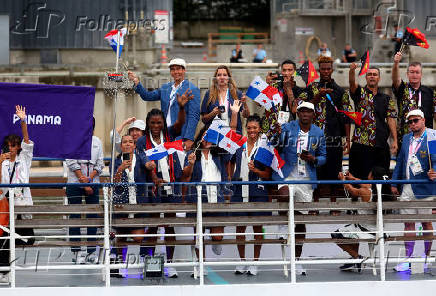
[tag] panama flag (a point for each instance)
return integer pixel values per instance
(112, 37)
(263, 93)
(431, 141)
(219, 133)
(164, 150)
(268, 155)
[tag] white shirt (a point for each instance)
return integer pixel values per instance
(210, 174)
(173, 97)
(87, 166)
(21, 175)
(300, 172)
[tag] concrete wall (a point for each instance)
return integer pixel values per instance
(224, 52)
(199, 29)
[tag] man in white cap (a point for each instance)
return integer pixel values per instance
(302, 147)
(415, 163)
(136, 130)
(168, 94)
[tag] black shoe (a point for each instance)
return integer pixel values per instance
(347, 267)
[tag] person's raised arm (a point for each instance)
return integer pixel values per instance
(145, 95)
(188, 169)
(352, 78)
(396, 79)
(245, 109)
(21, 113)
(181, 116)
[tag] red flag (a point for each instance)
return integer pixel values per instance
(415, 37)
(308, 72)
(365, 63)
(356, 116)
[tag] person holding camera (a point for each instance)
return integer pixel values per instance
(86, 172)
(223, 97)
(15, 161)
(328, 97)
(288, 89)
(130, 167)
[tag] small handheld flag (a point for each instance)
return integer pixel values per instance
(308, 72)
(356, 116)
(268, 155)
(164, 150)
(364, 60)
(112, 37)
(414, 37)
(223, 136)
(264, 94)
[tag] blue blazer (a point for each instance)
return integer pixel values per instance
(420, 190)
(197, 174)
(205, 108)
(143, 193)
(288, 147)
(192, 108)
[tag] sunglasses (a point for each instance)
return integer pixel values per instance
(415, 120)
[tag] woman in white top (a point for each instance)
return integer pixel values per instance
(15, 161)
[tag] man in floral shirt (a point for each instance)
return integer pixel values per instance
(370, 140)
(328, 98)
(412, 95)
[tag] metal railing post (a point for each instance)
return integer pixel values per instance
(200, 236)
(291, 235)
(380, 232)
(107, 250)
(12, 236)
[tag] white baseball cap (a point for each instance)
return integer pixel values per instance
(415, 112)
(306, 105)
(139, 124)
(178, 62)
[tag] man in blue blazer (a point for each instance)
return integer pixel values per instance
(302, 147)
(168, 94)
(413, 163)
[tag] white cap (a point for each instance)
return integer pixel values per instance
(415, 112)
(139, 124)
(306, 105)
(178, 62)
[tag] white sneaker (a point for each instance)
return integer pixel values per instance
(79, 257)
(172, 272)
(91, 258)
(240, 269)
(4, 278)
(299, 270)
(283, 232)
(205, 272)
(252, 270)
(405, 266)
(217, 249)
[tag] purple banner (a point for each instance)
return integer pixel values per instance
(59, 117)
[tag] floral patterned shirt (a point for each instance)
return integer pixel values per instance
(326, 116)
(375, 110)
(409, 99)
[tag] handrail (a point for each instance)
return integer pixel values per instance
(317, 182)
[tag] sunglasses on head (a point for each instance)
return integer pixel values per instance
(415, 120)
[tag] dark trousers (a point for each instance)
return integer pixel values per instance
(75, 195)
(364, 158)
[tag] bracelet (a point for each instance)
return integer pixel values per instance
(90, 180)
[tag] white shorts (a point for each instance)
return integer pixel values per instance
(408, 195)
(302, 193)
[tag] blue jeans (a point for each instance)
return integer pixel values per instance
(74, 195)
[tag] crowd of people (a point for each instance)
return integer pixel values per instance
(312, 138)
